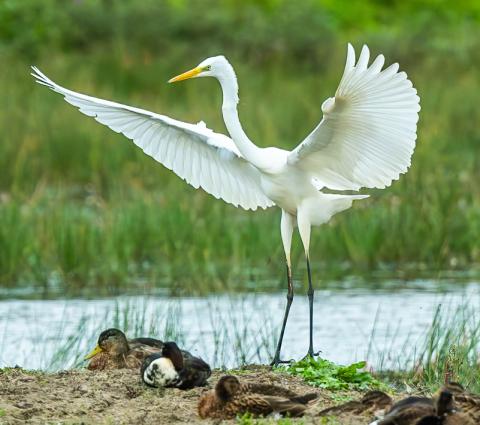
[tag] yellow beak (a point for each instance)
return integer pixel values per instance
(93, 353)
(186, 75)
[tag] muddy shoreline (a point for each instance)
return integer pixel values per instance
(119, 397)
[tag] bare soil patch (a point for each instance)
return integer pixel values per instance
(119, 397)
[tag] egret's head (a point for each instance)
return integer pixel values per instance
(216, 66)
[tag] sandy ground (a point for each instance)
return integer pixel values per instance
(119, 397)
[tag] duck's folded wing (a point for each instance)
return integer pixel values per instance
(285, 406)
(276, 390)
(190, 361)
(304, 398)
(195, 373)
(200, 365)
(198, 155)
(367, 135)
(152, 342)
(268, 389)
(351, 406)
(250, 403)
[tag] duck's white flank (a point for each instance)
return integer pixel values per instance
(160, 373)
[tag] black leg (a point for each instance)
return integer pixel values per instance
(276, 359)
(310, 302)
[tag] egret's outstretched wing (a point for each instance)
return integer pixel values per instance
(194, 152)
(368, 131)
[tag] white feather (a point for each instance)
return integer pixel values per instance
(160, 373)
(213, 159)
(368, 132)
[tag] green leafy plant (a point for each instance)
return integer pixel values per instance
(326, 374)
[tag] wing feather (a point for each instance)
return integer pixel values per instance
(198, 155)
(367, 135)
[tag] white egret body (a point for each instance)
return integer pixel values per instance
(365, 139)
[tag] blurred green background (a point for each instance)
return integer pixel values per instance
(82, 208)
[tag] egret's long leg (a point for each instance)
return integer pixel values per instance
(286, 226)
(276, 359)
(310, 293)
(304, 228)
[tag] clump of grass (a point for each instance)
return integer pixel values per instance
(450, 351)
(16, 369)
(325, 374)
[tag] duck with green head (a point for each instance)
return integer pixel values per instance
(115, 351)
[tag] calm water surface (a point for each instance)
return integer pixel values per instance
(382, 326)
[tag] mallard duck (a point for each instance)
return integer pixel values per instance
(466, 403)
(230, 398)
(115, 351)
(447, 413)
(371, 402)
(173, 367)
(408, 411)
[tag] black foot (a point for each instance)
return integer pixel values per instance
(312, 354)
(276, 361)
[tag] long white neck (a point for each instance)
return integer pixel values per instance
(248, 149)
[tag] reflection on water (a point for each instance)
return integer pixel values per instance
(350, 324)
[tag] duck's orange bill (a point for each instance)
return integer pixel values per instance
(93, 353)
(186, 75)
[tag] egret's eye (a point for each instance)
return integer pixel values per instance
(207, 68)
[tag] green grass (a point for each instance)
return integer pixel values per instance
(81, 207)
(248, 419)
(450, 347)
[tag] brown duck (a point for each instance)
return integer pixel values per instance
(115, 351)
(408, 411)
(371, 402)
(465, 403)
(447, 412)
(231, 398)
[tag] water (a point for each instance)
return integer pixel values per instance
(381, 325)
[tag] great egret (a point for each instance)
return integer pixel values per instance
(365, 139)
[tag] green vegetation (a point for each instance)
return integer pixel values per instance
(81, 208)
(328, 375)
(248, 419)
(230, 342)
(450, 349)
